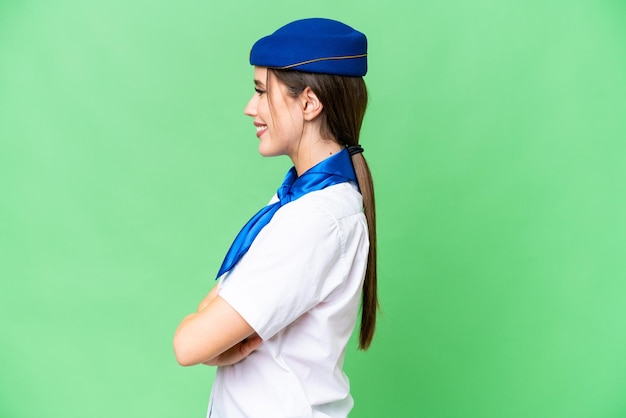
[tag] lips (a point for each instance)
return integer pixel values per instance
(260, 129)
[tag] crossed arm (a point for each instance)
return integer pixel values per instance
(215, 335)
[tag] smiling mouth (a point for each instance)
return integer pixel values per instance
(260, 129)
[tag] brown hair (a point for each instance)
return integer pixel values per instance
(345, 100)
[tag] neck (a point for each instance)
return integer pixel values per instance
(307, 157)
(312, 150)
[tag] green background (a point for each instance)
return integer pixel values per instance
(496, 137)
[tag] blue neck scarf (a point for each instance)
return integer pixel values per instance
(333, 170)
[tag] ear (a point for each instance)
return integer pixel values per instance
(310, 104)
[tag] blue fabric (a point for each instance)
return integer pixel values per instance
(333, 170)
(313, 45)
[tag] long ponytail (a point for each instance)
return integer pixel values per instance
(369, 302)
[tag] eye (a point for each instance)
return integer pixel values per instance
(259, 91)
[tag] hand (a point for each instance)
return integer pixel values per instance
(237, 352)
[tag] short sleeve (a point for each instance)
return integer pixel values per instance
(296, 261)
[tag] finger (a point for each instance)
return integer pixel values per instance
(250, 345)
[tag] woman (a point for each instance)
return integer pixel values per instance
(278, 322)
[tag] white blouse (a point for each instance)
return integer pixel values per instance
(299, 287)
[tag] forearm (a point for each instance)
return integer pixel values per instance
(204, 303)
(208, 298)
(203, 335)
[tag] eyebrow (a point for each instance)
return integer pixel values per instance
(259, 83)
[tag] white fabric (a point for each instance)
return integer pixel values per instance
(299, 288)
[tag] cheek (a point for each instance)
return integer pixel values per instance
(263, 110)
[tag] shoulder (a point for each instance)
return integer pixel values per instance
(336, 202)
(320, 221)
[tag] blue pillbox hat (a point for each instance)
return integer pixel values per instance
(314, 45)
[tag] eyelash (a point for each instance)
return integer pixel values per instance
(259, 91)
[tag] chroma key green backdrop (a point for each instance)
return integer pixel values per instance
(496, 135)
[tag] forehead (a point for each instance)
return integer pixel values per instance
(260, 75)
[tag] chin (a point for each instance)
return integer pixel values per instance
(269, 152)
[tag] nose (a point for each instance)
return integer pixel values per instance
(250, 109)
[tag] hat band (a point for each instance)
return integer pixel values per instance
(286, 67)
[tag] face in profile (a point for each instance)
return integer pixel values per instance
(277, 116)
